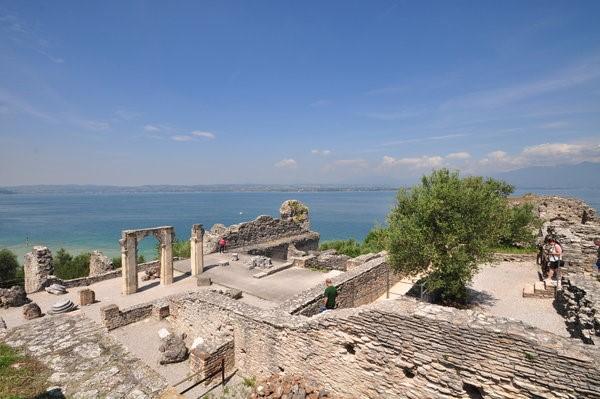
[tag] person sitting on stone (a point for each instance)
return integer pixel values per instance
(554, 259)
(330, 295)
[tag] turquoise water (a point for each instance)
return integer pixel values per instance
(86, 222)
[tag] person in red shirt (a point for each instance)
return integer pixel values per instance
(222, 245)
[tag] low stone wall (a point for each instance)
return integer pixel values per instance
(210, 360)
(363, 285)
(579, 303)
(404, 348)
(279, 249)
(112, 317)
(85, 281)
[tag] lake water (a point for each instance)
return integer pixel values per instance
(86, 222)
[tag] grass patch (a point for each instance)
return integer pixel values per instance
(21, 376)
(249, 381)
(515, 250)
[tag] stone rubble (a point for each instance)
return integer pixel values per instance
(38, 269)
(152, 273)
(262, 262)
(99, 263)
(173, 349)
(13, 296)
(279, 386)
(31, 311)
(2, 324)
(579, 303)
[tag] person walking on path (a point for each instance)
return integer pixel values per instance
(330, 295)
(554, 258)
(222, 244)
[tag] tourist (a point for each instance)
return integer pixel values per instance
(554, 258)
(330, 295)
(222, 245)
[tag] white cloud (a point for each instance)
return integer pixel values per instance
(206, 135)
(554, 125)
(459, 155)
(320, 152)
(151, 128)
(182, 138)
(287, 163)
(423, 162)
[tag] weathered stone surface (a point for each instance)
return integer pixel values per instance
(292, 227)
(203, 281)
(261, 262)
(64, 306)
(99, 263)
(151, 273)
(38, 268)
(331, 260)
(292, 386)
(173, 349)
(13, 296)
(31, 311)
(56, 289)
(295, 211)
(2, 324)
(579, 303)
(84, 360)
(86, 297)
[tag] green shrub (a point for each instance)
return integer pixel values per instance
(374, 242)
(68, 267)
(249, 381)
(9, 265)
(181, 249)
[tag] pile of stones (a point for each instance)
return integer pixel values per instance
(172, 347)
(56, 289)
(289, 387)
(151, 273)
(13, 296)
(64, 306)
(262, 262)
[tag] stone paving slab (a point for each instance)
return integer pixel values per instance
(84, 360)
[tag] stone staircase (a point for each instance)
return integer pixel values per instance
(539, 289)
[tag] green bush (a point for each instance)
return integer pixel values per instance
(9, 265)
(116, 261)
(374, 242)
(181, 249)
(68, 267)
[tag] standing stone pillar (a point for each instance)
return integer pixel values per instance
(129, 263)
(37, 269)
(166, 257)
(197, 249)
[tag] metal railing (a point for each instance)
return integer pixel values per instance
(221, 371)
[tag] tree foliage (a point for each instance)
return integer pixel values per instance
(374, 242)
(67, 266)
(445, 226)
(8, 265)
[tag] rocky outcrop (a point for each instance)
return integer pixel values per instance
(38, 268)
(266, 235)
(13, 296)
(99, 263)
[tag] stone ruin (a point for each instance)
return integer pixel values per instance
(99, 263)
(13, 297)
(38, 269)
(266, 235)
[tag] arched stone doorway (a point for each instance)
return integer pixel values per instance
(129, 242)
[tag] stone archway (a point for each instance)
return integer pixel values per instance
(129, 241)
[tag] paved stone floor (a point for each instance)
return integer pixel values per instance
(84, 360)
(499, 291)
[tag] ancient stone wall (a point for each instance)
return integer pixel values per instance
(37, 269)
(214, 361)
(360, 286)
(253, 235)
(575, 225)
(403, 348)
(85, 281)
(112, 317)
(99, 263)
(579, 303)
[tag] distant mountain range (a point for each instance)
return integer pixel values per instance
(583, 175)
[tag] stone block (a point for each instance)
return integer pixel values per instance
(31, 311)
(87, 297)
(203, 281)
(160, 311)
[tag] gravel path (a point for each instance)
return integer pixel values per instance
(500, 287)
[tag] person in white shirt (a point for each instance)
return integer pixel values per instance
(554, 258)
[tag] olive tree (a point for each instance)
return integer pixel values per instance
(8, 265)
(444, 226)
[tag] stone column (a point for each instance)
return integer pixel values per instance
(129, 263)
(166, 257)
(37, 268)
(197, 249)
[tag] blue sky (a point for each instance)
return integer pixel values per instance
(134, 92)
